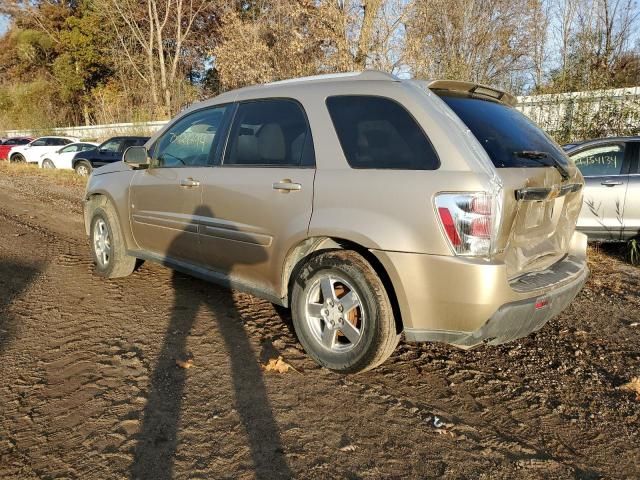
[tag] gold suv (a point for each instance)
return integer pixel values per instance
(369, 205)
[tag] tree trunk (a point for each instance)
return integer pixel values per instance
(370, 10)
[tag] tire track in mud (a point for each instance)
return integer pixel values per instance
(76, 375)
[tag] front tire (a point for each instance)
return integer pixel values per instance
(342, 313)
(83, 168)
(107, 245)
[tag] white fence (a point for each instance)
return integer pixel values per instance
(95, 132)
(567, 116)
(581, 115)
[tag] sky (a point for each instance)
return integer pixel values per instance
(4, 24)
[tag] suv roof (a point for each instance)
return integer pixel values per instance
(367, 75)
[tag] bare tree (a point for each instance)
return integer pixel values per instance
(159, 30)
(479, 40)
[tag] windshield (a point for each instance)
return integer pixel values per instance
(508, 137)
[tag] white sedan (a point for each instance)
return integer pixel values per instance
(31, 152)
(63, 157)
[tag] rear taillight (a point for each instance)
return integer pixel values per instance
(468, 220)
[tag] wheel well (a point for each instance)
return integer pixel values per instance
(311, 247)
(78, 160)
(94, 201)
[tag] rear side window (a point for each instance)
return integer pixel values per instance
(600, 160)
(503, 131)
(378, 133)
(130, 142)
(70, 148)
(270, 133)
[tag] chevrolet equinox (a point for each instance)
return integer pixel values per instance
(370, 206)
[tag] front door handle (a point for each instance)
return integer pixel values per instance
(286, 186)
(189, 182)
(611, 183)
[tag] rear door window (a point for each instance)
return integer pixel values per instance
(378, 133)
(70, 148)
(503, 131)
(603, 160)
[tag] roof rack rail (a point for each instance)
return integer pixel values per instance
(360, 75)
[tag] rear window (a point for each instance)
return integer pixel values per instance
(502, 131)
(378, 133)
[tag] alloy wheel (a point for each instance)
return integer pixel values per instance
(334, 313)
(101, 242)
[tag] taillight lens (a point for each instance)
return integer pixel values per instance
(468, 220)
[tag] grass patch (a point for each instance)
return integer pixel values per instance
(58, 177)
(633, 251)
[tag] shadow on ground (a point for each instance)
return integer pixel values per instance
(157, 440)
(15, 278)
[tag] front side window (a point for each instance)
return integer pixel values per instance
(41, 142)
(601, 160)
(191, 141)
(378, 133)
(270, 133)
(112, 145)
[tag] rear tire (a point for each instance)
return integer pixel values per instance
(339, 292)
(83, 168)
(48, 164)
(107, 245)
(17, 158)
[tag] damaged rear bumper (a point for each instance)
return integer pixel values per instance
(511, 321)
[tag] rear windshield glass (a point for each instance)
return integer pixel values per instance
(503, 131)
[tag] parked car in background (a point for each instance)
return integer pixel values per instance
(32, 151)
(611, 206)
(9, 143)
(107, 152)
(369, 205)
(63, 157)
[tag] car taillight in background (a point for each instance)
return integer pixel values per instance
(468, 220)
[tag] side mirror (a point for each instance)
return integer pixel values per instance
(136, 156)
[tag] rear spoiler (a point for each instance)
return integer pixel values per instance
(475, 89)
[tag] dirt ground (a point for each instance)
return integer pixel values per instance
(89, 386)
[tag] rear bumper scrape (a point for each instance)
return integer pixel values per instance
(511, 321)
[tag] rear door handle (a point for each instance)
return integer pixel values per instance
(189, 182)
(611, 183)
(287, 185)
